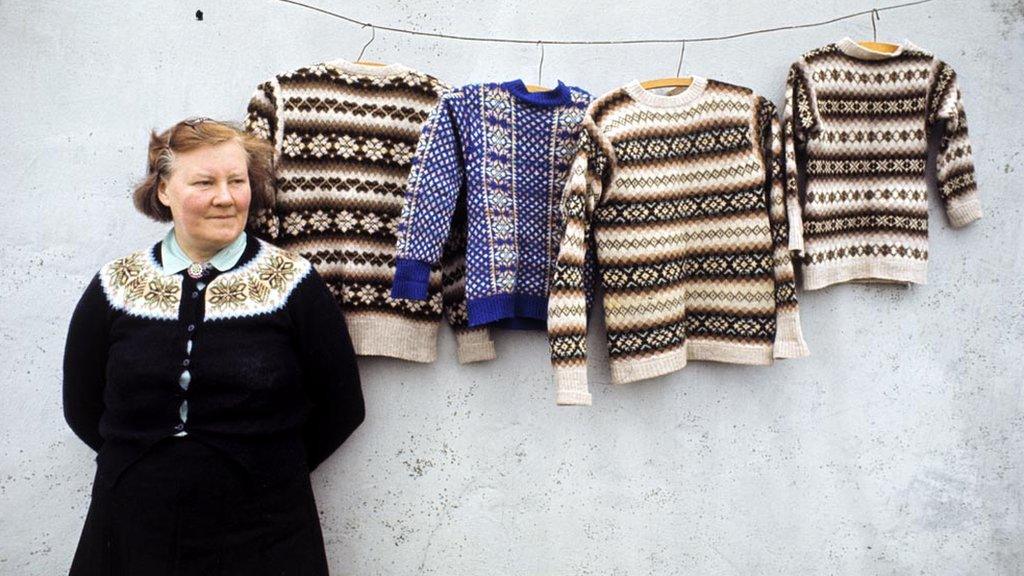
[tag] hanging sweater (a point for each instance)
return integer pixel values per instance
(508, 151)
(682, 198)
(345, 134)
(863, 118)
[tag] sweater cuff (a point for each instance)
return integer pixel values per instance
(789, 338)
(475, 345)
(796, 230)
(571, 386)
(412, 278)
(963, 213)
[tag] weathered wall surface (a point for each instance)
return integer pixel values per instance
(896, 448)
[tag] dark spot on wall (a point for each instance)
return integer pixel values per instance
(199, 15)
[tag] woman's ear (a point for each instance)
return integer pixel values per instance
(161, 192)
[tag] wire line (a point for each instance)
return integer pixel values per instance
(603, 42)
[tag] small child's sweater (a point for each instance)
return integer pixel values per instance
(864, 119)
(682, 198)
(507, 151)
(344, 135)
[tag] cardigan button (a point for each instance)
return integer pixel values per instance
(185, 362)
(191, 327)
(179, 427)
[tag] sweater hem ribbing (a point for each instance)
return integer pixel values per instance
(385, 335)
(729, 352)
(630, 370)
(865, 270)
(501, 306)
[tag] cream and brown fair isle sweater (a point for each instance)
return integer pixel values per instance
(345, 134)
(682, 198)
(864, 119)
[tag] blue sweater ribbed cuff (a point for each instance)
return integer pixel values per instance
(412, 277)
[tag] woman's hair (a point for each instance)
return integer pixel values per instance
(196, 133)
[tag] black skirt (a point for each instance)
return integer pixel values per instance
(186, 509)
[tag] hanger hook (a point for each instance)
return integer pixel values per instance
(874, 29)
(682, 50)
(373, 35)
(540, 67)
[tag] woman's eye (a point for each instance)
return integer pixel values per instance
(202, 183)
(238, 181)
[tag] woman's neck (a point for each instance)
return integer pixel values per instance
(196, 252)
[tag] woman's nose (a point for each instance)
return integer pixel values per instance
(223, 195)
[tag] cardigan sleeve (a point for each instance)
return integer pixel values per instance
(85, 365)
(329, 368)
(263, 121)
(567, 303)
(432, 193)
(789, 339)
(798, 123)
(954, 160)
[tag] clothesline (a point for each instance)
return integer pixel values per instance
(873, 12)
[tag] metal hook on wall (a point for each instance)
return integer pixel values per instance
(373, 36)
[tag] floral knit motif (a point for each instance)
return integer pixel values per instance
(345, 135)
(136, 285)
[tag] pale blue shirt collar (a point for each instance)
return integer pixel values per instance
(174, 259)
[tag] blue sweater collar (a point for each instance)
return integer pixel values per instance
(558, 96)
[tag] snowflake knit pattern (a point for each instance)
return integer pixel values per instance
(507, 151)
(863, 118)
(344, 135)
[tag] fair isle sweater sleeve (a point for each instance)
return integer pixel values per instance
(954, 161)
(85, 365)
(262, 121)
(798, 122)
(789, 339)
(432, 193)
(329, 368)
(567, 303)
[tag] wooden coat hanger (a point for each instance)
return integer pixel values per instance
(373, 36)
(874, 44)
(676, 81)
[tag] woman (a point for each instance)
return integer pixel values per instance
(211, 372)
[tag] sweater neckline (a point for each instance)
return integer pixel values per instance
(851, 48)
(358, 69)
(557, 96)
(637, 92)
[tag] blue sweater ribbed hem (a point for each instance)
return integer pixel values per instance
(501, 306)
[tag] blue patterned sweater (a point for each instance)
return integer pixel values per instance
(507, 152)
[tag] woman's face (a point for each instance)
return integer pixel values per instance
(208, 194)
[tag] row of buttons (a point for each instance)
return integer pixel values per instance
(185, 379)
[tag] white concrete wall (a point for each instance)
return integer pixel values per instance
(895, 449)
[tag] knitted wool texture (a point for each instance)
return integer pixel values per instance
(507, 151)
(863, 119)
(682, 198)
(345, 134)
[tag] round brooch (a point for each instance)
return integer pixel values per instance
(196, 270)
